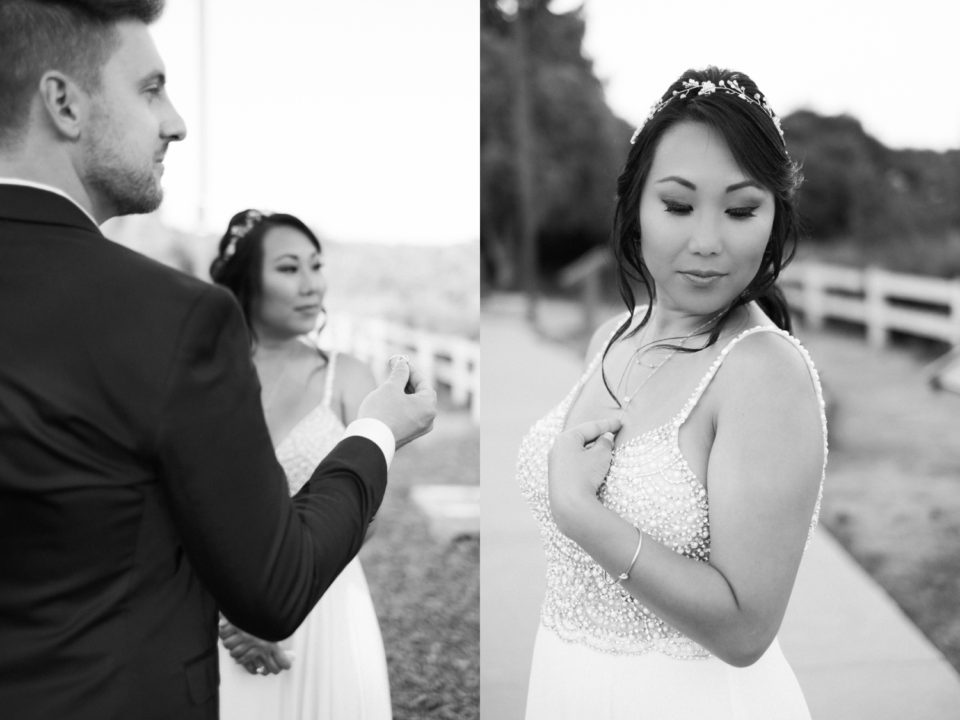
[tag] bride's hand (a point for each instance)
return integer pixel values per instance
(259, 662)
(259, 657)
(266, 661)
(577, 465)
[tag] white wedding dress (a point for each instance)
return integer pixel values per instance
(339, 669)
(599, 653)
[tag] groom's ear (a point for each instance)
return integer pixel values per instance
(64, 105)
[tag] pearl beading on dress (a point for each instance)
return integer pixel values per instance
(312, 439)
(649, 484)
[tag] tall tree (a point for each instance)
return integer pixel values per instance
(576, 143)
(896, 208)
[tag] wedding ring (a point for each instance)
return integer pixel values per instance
(261, 669)
(398, 357)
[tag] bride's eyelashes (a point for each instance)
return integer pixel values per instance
(292, 268)
(678, 208)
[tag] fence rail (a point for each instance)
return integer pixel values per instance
(451, 361)
(880, 300)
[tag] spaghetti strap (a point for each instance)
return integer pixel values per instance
(712, 371)
(818, 389)
(328, 386)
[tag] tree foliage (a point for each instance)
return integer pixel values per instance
(860, 200)
(855, 186)
(577, 142)
(863, 201)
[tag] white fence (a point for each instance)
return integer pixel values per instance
(448, 360)
(880, 300)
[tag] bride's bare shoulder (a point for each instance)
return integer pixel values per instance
(354, 374)
(603, 333)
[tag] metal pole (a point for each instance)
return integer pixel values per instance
(202, 141)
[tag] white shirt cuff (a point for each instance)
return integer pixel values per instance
(377, 432)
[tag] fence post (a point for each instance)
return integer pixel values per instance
(459, 372)
(425, 356)
(874, 306)
(812, 293)
(373, 340)
(955, 310)
(475, 398)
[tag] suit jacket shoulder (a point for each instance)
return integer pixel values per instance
(138, 485)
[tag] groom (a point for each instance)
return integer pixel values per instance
(139, 492)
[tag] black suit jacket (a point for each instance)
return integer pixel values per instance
(139, 491)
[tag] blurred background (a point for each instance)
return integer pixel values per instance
(868, 110)
(360, 118)
(864, 100)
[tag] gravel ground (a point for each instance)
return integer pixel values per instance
(427, 592)
(892, 495)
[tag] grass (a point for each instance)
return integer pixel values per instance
(427, 593)
(892, 495)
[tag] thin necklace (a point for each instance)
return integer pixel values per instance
(638, 353)
(641, 351)
(268, 397)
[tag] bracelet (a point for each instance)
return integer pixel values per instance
(625, 575)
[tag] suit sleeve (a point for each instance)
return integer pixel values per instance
(265, 558)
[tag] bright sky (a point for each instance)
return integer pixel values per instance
(360, 116)
(890, 64)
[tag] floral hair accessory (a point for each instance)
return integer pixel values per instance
(707, 87)
(239, 230)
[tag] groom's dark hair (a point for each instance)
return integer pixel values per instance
(73, 36)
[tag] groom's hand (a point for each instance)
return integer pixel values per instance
(259, 657)
(405, 402)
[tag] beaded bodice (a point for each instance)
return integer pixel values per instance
(650, 484)
(311, 439)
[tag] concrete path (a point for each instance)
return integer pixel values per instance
(857, 656)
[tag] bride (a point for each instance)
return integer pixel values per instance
(672, 549)
(334, 665)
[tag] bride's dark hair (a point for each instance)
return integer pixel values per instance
(757, 147)
(239, 262)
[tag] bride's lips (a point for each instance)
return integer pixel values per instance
(702, 278)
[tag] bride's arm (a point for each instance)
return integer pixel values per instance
(763, 477)
(353, 381)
